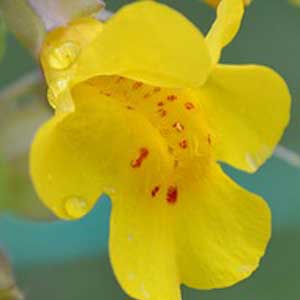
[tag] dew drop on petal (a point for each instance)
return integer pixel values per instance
(54, 90)
(76, 207)
(64, 55)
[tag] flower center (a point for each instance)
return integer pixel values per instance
(176, 115)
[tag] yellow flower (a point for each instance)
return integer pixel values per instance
(143, 112)
(216, 2)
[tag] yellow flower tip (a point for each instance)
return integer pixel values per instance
(146, 131)
(215, 3)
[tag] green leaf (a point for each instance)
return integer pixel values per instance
(2, 37)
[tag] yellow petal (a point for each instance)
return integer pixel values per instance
(247, 108)
(150, 42)
(225, 27)
(77, 156)
(63, 46)
(221, 231)
(142, 248)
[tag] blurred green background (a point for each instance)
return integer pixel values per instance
(69, 261)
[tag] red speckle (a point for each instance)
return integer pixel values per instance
(160, 103)
(178, 126)
(143, 155)
(189, 105)
(147, 95)
(183, 144)
(129, 107)
(172, 194)
(172, 97)
(155, 191)
(209, 139)
(137, 85)
(156, 89)
(162, 112)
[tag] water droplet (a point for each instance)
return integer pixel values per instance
(63, 56)
(76, 207)
(54, 90)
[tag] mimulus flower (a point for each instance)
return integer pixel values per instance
(144, 113)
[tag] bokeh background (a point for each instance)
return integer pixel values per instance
(69, 260)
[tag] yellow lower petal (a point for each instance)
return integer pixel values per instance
(247, 108)
(142, 251)
(101, 147)
(221, 231)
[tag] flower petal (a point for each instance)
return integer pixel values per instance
(225, 27)
(79, 155)
(248, 109)
(142, 249)
(149, 42)
(222, 232)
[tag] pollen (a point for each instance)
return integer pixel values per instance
(144, 152)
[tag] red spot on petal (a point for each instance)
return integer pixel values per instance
(129, 107)
(155, 191)
(137, 85)
(162, 112)
(172, 194)
(183, 144)
(172, 97)
(156, 89)
(142, 156)
(178, 126)
(189, 105)
(160, 103)
(147, 95)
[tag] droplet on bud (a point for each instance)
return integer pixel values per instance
(64, 55)
(54, 90)
(76, 207)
